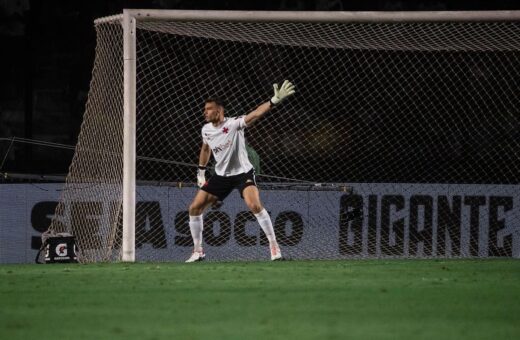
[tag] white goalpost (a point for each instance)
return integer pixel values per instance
(129, 149)
(400, 141)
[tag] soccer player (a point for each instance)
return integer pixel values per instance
(224, 138)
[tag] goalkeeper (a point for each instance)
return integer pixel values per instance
(224, 138)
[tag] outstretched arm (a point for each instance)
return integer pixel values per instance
(286, 90)
(257, 113)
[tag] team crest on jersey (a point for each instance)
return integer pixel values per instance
(225, 130)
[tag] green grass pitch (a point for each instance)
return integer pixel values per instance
(376, 299)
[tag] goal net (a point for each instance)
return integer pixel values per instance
(402, 139)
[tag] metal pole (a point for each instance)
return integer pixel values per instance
(325, 17)
(129, 149)
(317, 16)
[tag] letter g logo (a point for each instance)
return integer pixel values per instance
(61, 249)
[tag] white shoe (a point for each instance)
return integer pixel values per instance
(196, 256)
(276, 254)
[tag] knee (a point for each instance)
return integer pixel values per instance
(255, 207)
(195, 209)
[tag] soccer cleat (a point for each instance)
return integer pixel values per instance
(276, 254)
(196, 256)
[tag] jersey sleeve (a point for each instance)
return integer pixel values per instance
(239, 123)
(204, 140)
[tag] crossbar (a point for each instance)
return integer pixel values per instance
(316, 16)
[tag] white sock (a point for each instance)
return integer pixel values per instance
(196, 226)
(264, 220)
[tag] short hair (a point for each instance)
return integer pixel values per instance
(215, 100)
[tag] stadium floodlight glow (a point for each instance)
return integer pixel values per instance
(400, 98)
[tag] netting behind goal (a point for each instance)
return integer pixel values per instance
(411, 129)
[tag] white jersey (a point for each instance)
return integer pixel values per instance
(228, 145)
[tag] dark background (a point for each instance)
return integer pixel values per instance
(47, 51)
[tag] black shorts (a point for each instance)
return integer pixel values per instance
(222, 186)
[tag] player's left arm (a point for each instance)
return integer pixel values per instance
(258, 113)
(286, 90)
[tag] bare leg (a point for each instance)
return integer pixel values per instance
(201, 201)
(252, 199)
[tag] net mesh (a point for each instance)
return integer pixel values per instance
(411, 129)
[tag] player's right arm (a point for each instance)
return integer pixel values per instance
(205, 154)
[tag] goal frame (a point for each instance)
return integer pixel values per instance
(130, 17)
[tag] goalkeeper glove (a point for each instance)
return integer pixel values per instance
(286, 90)
(201, 176)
